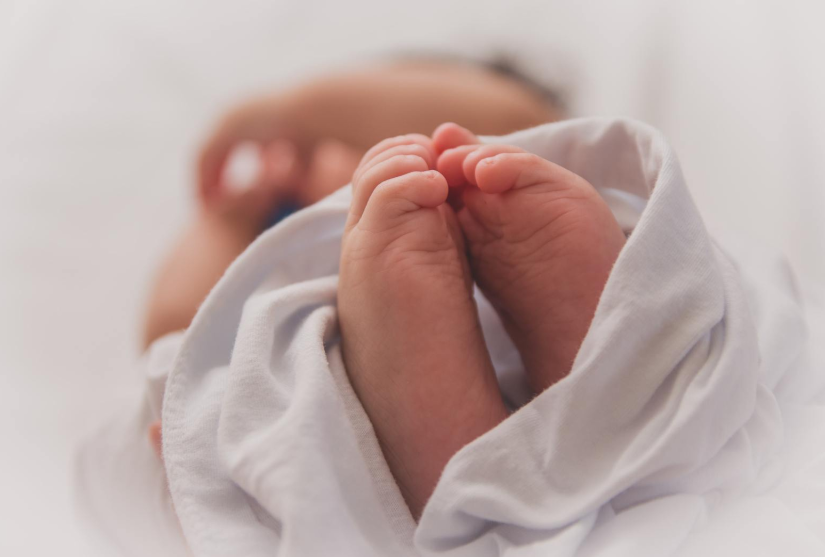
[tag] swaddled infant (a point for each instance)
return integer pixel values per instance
(337, 375)
(431, 215)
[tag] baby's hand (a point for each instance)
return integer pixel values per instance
(255, 160)
(264, 122)
(272, 154)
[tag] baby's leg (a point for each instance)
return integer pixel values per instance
(412, 342)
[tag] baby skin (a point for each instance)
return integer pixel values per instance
(429, 217)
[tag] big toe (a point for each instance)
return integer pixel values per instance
(450, 135)
(399, 196)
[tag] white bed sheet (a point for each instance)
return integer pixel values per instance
(102, 105)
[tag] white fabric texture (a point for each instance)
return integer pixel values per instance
(691, 423)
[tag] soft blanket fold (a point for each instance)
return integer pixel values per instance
(695, 404)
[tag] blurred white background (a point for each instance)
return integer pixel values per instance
(103, 104)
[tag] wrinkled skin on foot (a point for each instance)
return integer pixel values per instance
(541, 244)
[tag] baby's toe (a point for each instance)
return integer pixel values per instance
(497, 169)
(450, 135)
(392, 167)
(423, 151)
(461, 166)
(398, 141)
(401, 195)
(451, 164)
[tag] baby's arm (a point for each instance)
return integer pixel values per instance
(196, 262)
(360, 108)
(363, 107)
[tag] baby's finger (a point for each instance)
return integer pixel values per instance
(282, 168)
(210, 167)
(214, 154)
(393, 167)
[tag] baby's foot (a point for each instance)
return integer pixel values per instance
(541, 244)
(412, 342)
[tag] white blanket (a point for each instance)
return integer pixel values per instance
(691, 423)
